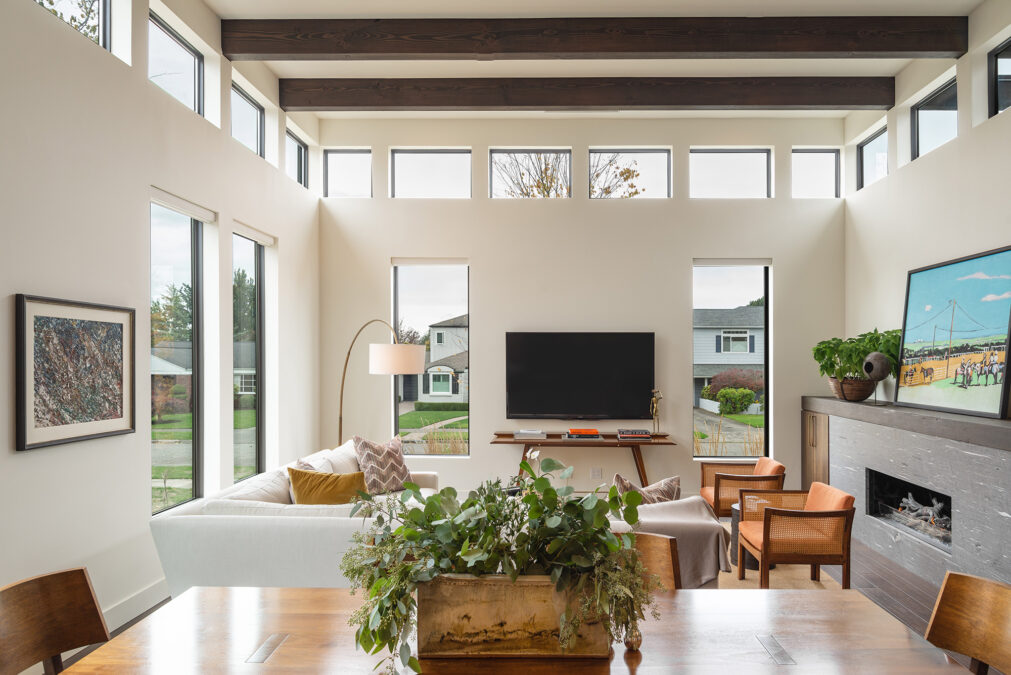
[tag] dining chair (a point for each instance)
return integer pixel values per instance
(972, 616)
(44, 616)
(659, 555)
(722, 481)
(796, 527)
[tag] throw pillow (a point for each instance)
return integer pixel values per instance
(666, 490)
(382, 464)
(319, 464)
(314, 487)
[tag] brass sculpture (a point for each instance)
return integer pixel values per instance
(654, 409)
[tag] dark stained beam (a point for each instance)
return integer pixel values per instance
(596, 38)
(590, 93)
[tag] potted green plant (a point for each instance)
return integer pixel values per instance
(843, 360)
(469, 574)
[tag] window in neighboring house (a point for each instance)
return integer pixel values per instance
(347, 173)
(630, 174)
(247, 356)
(815, 174)
(872, 159)
(247, 120)
(430, 307)
(717, 173)
(175, 358)
(296, 158)
(175, 65)
(735, 341)
(1000, 78)
(934, 120)
(90, 18)
(430, 174)
(530, 174)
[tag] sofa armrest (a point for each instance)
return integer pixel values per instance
(426, 479)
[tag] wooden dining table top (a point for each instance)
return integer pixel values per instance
(287, 630)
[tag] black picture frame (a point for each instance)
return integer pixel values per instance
(24, 426)
(1003, 407)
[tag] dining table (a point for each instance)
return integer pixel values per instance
(295, 630)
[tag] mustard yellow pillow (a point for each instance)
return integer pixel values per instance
(316, 487)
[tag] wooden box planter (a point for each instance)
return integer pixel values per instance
(460, 615)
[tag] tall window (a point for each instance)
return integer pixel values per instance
(1000, 78)
(630, 174)
(296, 158)
(729, 358)
(815, 174)
(716, 173)
(347, 173)
(872, 159)
(90, 18)
(175, 65)
(934, 120)
(531, 174)
(247, 356)
(247, 120)
(175, 358)
(433, 409)
(434, 174)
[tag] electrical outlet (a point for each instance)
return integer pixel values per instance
(596, 472)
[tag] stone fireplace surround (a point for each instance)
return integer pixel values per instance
(968, 458)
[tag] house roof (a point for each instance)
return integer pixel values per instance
(738, 317)
(160, 366)
(456, 322)
(714, 369)
(179, 355)
(459, 362)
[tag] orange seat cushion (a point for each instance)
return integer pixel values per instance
(709, 495)
(768, 467)
(823, 497)
(752, 530)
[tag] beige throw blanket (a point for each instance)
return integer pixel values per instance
(702, 541)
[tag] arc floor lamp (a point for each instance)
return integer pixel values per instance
(384, 359)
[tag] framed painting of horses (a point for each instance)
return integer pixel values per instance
(955, 336)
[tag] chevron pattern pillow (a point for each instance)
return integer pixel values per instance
(382, 464)
(666, 490)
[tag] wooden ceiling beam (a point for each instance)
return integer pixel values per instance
(590, 93)
(596, 38)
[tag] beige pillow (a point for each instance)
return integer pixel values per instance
(343, 459)
(271, 486)
(666, 490)
(382, 464)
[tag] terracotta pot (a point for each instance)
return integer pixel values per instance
(852, 388)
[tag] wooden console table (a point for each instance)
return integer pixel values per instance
(607, 440)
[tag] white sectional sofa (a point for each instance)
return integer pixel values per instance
(251, 534)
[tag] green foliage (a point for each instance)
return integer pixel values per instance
(423, 405)
(243, 306)
(247, 402)
(544, 529)
(81, 14)
(734, 401)
(840, 358)
(707, 393)
(757, 302)
(761, 402)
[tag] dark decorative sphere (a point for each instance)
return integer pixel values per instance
(877, 366)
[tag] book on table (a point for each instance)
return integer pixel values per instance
(634, 434)
(583, 434)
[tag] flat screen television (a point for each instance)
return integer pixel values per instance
(582, 376)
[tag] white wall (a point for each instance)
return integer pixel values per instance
(578, 264)
(85, 136)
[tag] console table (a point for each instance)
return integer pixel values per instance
(555, 439)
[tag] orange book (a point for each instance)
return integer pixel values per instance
(584, 432)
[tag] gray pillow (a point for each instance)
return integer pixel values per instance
(383, 465)
(666, 490)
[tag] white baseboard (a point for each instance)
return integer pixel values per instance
(132, 606)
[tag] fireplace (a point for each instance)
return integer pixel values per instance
(913, 509)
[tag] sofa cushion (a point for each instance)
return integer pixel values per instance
(768, 467)
(231, 507)
(666, 490)
(383, 465)
(314, 487)
(270, 486)
(343, 459)
(827, 498)
(315, 462)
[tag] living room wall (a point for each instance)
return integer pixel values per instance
(85, 137)
(577, 264)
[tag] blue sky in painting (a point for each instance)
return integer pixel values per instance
(981, 288)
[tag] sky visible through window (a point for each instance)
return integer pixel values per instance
(726, 287)
(171, 66)
(83, 15)
(443, 175)
(349, 174)
(728, 175)
(814, 175)
(629, 174)
(428, 294)
(245, 122)
(875, 159)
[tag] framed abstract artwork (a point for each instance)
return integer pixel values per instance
(955, 336)
(75, 371)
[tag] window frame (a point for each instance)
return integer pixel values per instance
(260, 360)
(303, 163)
(345, 151)
(860, 154)
(429, 151)
(261, 114)
(992, 78)
(820, 151)
(198, 62)
(914, 115)
(104, 24)
(735, 334)
(639, 151)
(734, 151)
(518, 151)
(431, 384)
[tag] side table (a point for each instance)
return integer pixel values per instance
(750, 561)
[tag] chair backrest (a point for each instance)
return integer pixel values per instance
(972, 616)
(46, 615)
(659, 555)
(768, 467)
(823, 497)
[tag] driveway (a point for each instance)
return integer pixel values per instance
(732, 433)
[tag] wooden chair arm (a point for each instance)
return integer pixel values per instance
(710, 469)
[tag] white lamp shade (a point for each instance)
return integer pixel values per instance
(396, 359)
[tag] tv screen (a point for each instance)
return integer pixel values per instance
(579, 375)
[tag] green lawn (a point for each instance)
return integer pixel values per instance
(179, 427)
(462, 424)
(701, 435)
(162, 498)
(757, 421)
(159, 472)
(417, 419)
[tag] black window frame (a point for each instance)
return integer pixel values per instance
(993, 79)
(198, 63)
(821, 151)
(914, 115)
(641, 151)
(860, 155)
(261, 380)
(530, 151)
(261, 113)
(346, 151)
(429, 151)
(734, 151)
(303, 162)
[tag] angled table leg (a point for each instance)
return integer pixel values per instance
(640, 467)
